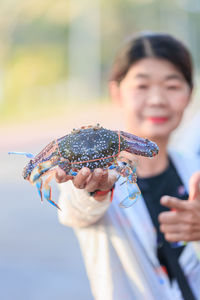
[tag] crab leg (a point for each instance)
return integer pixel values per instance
(43, 169)
(47, 189)
(39, 185)
(35, 179)
(29, 155)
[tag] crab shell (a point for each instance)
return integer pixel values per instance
(92, 147)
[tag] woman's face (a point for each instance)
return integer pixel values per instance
(153, 96)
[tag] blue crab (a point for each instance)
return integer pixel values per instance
(92, 147)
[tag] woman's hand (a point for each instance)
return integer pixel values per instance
(90, 181)
(182, 223)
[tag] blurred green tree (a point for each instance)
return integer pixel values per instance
(40, 47)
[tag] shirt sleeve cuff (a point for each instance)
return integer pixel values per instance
(79, 208)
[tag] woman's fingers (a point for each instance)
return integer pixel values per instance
(61, 176)
(94, 181)
(80, 180)
(173, 203)
(178, 228)
(99, 179)
(194, 187)
(182, 236)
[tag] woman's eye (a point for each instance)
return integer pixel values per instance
(173, 87)
(142, 86)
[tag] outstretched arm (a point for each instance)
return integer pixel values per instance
(78, 208)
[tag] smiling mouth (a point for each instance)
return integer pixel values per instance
(158, 120)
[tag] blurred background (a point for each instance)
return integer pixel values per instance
(55, 58)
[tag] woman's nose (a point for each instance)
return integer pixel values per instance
(156, 96)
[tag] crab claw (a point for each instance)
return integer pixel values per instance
(138, 145)
(133, 195)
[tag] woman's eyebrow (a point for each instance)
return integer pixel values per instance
(141, 75)
(167, 77)
(173, 76)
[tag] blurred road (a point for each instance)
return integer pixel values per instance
(39, 258)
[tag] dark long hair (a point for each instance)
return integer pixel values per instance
(158, 45)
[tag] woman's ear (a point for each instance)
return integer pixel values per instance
(114, 91)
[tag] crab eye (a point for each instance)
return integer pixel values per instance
(31, 162)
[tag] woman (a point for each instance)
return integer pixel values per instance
(130, 253)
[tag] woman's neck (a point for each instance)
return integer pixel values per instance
(152, 167)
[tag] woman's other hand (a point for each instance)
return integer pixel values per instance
(182, 223)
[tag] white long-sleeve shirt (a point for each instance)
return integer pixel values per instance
(189, 137)
(119, 245)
